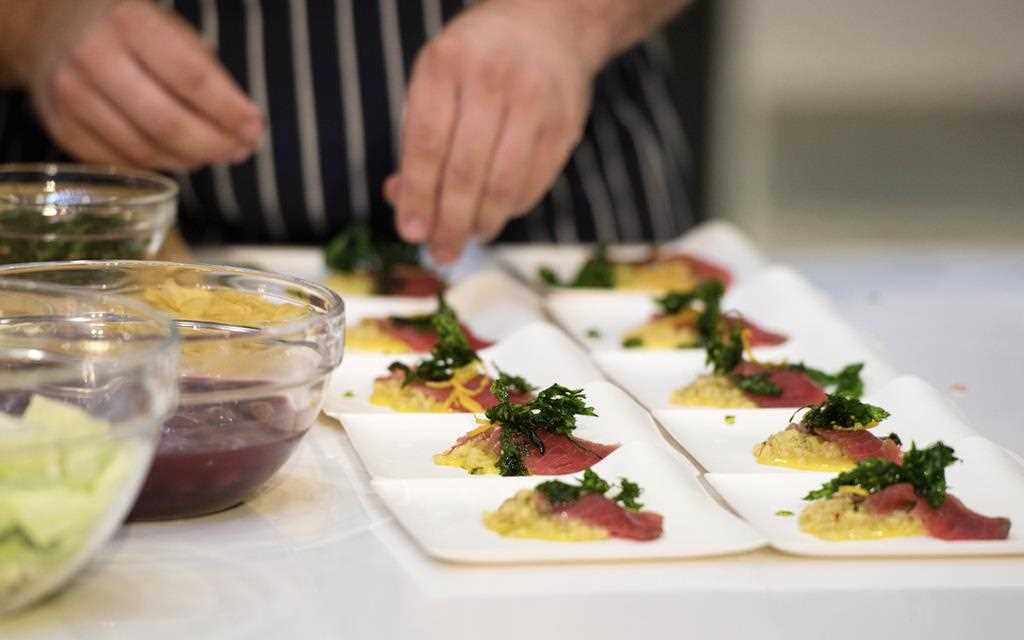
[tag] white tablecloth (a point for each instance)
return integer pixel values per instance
(317, 556)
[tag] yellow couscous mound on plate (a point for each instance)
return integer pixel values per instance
(521, 517)
(471, 455)
(796, 449)
(676, 331)
(389, 392)
(843, 517)
(660, 275)
(368, 335)
(712, 390)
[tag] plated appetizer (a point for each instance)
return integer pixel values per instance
(535, 438)
(452, 378)
(739, 383)
(576, 512)
(883, 499)
(659, 272)
(691, 319)
(404, 334)
(832, 436)
(362, 266)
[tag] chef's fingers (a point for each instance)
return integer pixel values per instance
(173, 53)
(505, 195)
(390, 189)
(481, 117)
(556, 143)
(166, 121)
(426, 137)
(74, 98)
(76, 138)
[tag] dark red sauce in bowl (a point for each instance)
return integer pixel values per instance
(213, 456)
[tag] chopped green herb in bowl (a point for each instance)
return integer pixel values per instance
(70, 212)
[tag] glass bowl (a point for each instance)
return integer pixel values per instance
(256, 349)
(82, 212)
(85, 381)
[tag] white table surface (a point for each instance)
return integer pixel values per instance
(317, 556)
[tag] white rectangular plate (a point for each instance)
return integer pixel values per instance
(444, 515)
(777, 299)
(919, 414)
(652, 376)
(492, 303)
(539, 352)
(397, 446)
(719, 242)
(987, 480)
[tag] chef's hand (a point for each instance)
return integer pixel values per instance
(127, 82)
(496, 103)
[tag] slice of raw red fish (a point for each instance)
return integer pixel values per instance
(412, 280)
(950, 521)
(562, 454)
(705, 270)
(598, 511)
(425, 339)
(860, 444)
(798, 389)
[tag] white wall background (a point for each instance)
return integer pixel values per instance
(870, 119)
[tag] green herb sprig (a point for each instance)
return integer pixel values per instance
(924, 469)
(725, 349)
(553, 410)
(844, 412)
(758, 384)
(515, 384)
(451, 352)
(596, 272)
(562, 493)
(356, 250)
(424, 321)
(710, 323)
(847, 381)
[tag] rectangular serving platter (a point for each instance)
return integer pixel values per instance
(445, 515)
(776, 298)
(652, 376)
(539, 352)
(395, 445)
(721, 445)
(987, 480)
(718, 242)
(493, 304)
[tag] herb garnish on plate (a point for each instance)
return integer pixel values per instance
(596, 272)
(560, 493)
(724, 349)
(451, 352)
(843, 412)
(356, 250)
(924, 469)
(554, 410)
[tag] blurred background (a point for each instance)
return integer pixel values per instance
(862, 121)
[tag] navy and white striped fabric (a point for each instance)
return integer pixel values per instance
(331, 76)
